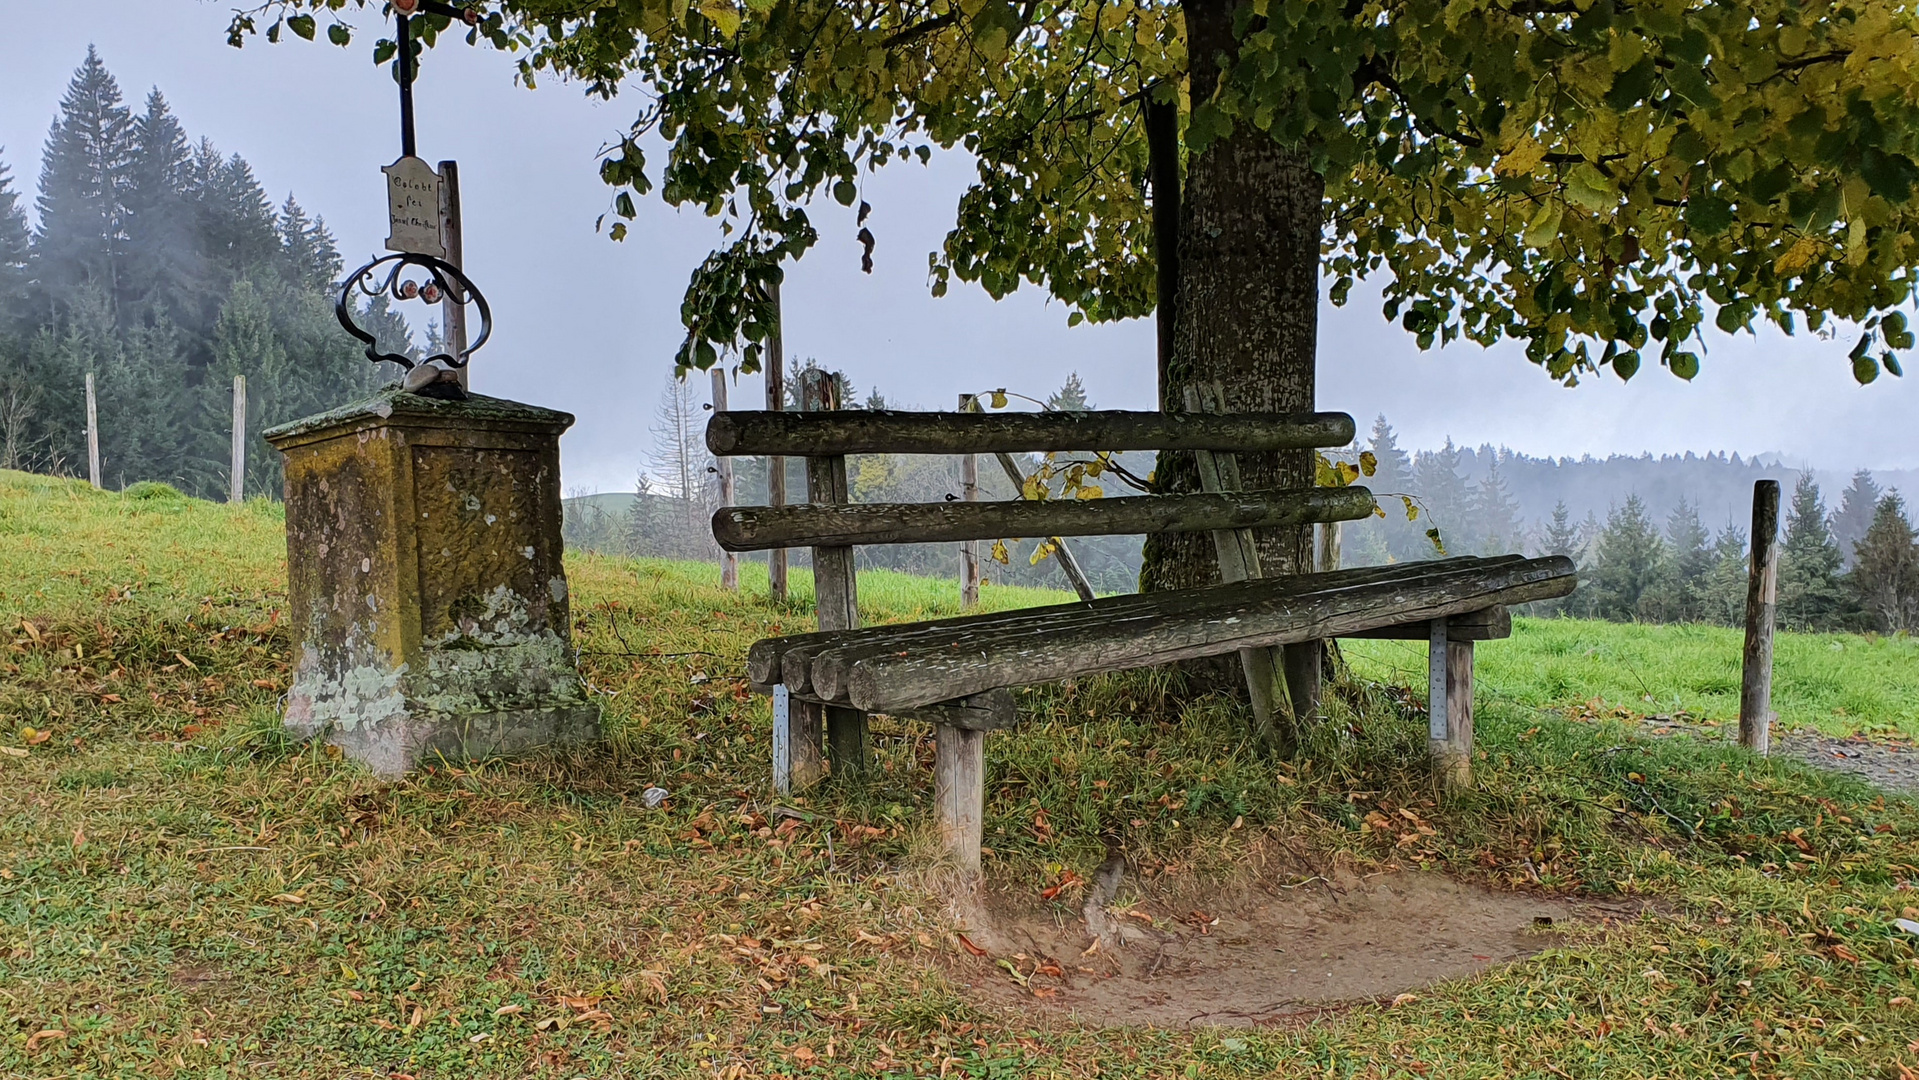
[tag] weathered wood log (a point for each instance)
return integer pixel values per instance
(1190, 623)
(990, 711)
(835, 582)
(1762, 596)
(1491, 624)
(820, 664)
(752, 528)
(765, 661)
(881, 431)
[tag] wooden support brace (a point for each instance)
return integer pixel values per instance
(959, 790)
(1265, 668)
(835, 582)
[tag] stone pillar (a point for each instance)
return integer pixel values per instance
(426, 587)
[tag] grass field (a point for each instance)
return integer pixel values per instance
(184, 893)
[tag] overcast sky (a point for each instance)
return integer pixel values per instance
(590, 326)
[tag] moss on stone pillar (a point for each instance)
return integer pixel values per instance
(425, 581)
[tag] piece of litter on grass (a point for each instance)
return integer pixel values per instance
(653, 797)
(1907, 925)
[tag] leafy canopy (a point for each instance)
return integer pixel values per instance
(1596, 178)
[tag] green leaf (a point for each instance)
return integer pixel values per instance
(1626, 364)
(383, 51)
(1590, 189)
(339, 33)
(302, 25)
(273, 34)
(1543, 229)
(1684, 364)
(1864, 369)
(1892, 365)
(844, 192)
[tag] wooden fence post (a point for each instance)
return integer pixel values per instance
(93, 435)
(969, 550)
(237, 487)
(729, 562)
(453, 308)
(835, 581)
(776, 466)
(1762, 597)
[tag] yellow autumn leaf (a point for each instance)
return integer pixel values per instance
(999, 553)
(724, 17)
(1524, 157)
(1798, 257)
(1090, 491)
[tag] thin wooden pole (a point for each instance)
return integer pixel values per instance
(729, 562)
(776, 466)
(1438, 701)
(237, 488)
(93, 435)
(1762, 597)
(969, 550)
(453, 308)
(1068, 564)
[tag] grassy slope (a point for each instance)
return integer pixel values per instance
(182, 893)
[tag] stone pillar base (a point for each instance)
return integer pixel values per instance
(425, 579)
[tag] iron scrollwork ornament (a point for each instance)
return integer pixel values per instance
(387, 275)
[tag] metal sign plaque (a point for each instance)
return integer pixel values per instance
(413, 208)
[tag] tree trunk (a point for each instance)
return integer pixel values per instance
(1248, 307)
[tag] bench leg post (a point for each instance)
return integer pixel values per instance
(797, 760)
(846, 737)
(959, 789)
(1458, 774)
(1303, 678)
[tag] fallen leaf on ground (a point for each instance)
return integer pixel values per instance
(967, 944)
(43, 1035)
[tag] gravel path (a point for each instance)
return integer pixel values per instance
(1892, 764)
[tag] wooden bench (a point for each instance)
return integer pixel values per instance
(957, 673)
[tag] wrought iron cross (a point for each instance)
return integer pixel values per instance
(413, 206)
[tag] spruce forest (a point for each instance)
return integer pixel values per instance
(159, 266)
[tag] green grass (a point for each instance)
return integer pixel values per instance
(184, 893)
(1838, 683)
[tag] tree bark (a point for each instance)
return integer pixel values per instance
(1251, 216)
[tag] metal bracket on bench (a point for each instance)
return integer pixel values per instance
(988, 711)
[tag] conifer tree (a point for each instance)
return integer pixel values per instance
(1492, 522)
(15, 248)
(83, 177)
(1070, 397)
(1627, 561)
(1678, 595)
(1885, 569)
(1810, 596)
(1439, 484)
(164, 267)
(1857, 509)
(1724, 597)
(1561, 536)
(1405, 540)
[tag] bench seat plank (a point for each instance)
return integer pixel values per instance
(1188, 624)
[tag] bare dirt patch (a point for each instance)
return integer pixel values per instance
(1258, 954)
